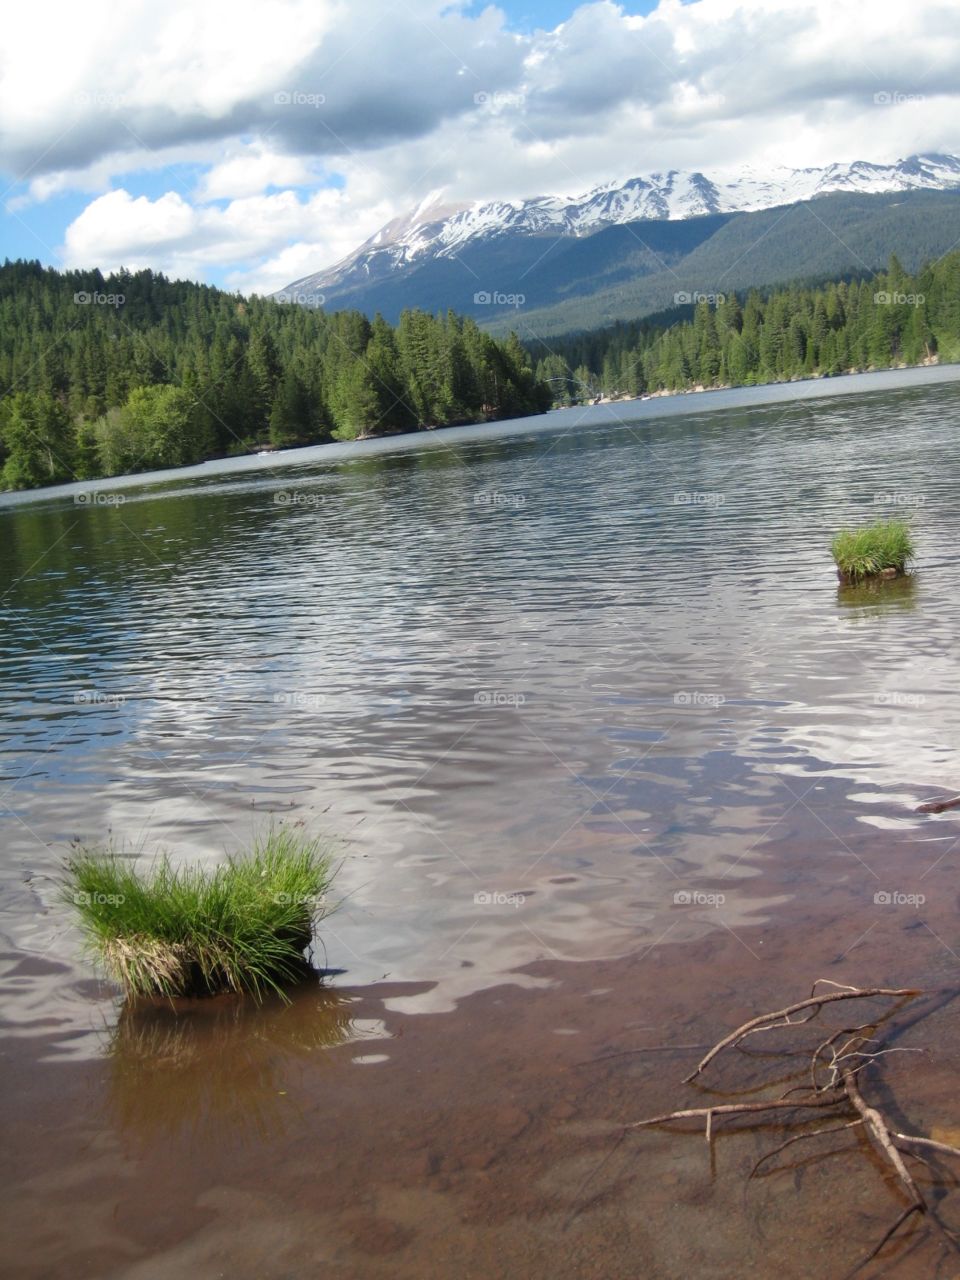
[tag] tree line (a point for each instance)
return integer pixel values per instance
(892, 318)
(102, 376)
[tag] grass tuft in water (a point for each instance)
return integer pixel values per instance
(868, 551)
(186, 931)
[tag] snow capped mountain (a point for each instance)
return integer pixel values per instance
(439, 229)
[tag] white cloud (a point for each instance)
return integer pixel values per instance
(273, 233)
(119, 226)
(401, 100)
(248, 170)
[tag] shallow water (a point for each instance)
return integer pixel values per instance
(581, 688)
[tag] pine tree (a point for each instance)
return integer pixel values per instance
(36, 433)
(290, 413)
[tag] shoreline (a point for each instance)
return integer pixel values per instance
(818, 387)
(932, 363)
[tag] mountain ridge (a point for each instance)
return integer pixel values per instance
(439, 230)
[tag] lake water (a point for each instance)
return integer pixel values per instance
(574, 689)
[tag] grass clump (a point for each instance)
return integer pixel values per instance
(243, 926)
(873, 549)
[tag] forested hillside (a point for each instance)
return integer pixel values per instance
(890, 319)
(104, 376)
(812, 242)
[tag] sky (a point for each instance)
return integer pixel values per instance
(248, 143)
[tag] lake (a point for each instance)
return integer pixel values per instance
(610, 762)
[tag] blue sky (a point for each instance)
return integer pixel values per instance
(527, 15)
(135, 140)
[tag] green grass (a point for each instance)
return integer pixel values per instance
(867, 551)
(242, 926)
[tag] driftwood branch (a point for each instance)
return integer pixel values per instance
(835, 1069)
(781, 1018)
(729, 1109)
(913, 1141)
(939, 806)
(876, 1126)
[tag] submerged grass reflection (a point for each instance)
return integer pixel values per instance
(875, 596)
(209, 1068)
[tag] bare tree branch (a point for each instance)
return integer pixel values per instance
(769, 1021)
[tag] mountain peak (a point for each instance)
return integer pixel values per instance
(439, 228)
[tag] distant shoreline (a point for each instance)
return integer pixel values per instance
(932, 362)
(663, 394)
(817, 387)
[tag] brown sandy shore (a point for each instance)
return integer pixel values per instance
(482, 1143)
